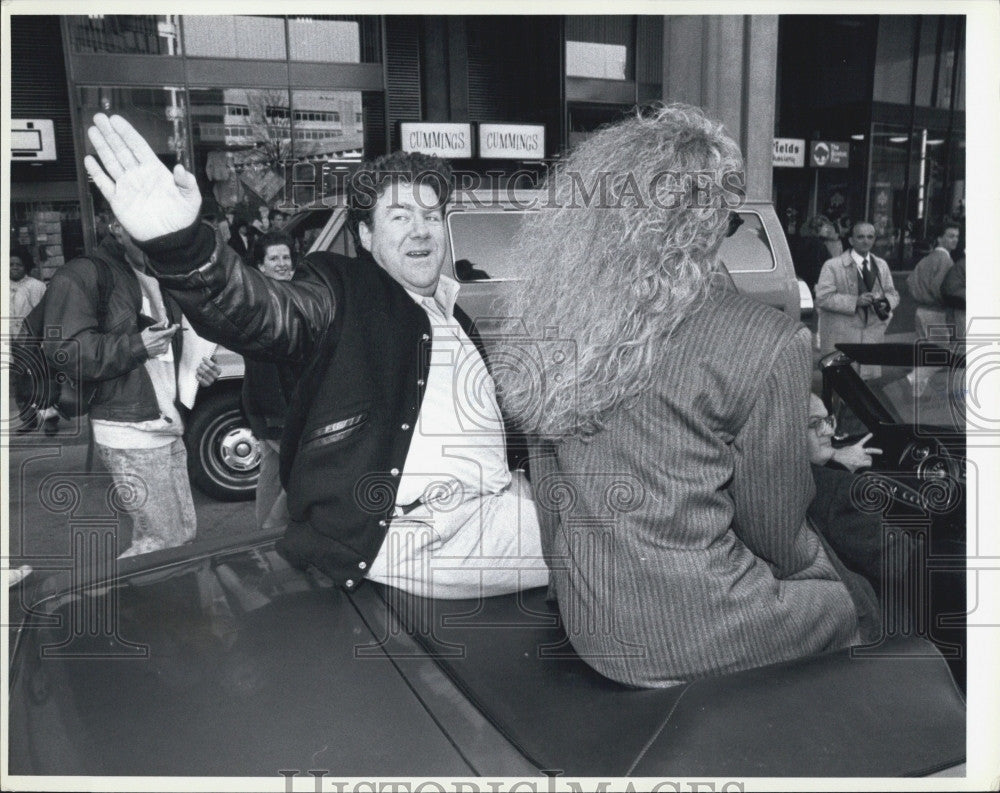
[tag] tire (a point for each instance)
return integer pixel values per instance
(223, 454)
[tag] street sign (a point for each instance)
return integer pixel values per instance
(789, 153)
(829, 154)
(440, 140)
(32, 139)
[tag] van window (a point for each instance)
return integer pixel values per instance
(748, 249)
(481, 242)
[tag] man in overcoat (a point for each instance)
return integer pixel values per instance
(855, 296)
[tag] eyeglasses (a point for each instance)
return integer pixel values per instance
(818, 422)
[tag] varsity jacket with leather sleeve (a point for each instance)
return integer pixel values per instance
(365, 346)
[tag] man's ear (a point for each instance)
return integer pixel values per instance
(365, 235)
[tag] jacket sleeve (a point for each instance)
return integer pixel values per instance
(888, 287)
(953, 286)
(232, 304)
(827, 296)
(81, 349)
(772, 483)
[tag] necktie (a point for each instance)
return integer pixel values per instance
(866, 273)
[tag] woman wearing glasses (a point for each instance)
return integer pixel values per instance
(856, 536)
(822, 428)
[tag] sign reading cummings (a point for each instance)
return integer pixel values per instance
(512, 141)
(441, 140)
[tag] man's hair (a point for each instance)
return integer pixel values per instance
(817, 223)
(267, 240)
(857, 223)
(612, 278)
(374, 177)
(941, 228)
(25, 256)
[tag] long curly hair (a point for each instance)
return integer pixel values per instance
(615, 270)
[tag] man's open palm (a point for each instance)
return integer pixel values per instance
(148, 200)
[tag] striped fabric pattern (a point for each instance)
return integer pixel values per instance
(677, 536)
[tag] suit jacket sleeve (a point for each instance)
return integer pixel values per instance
(82, 349)
(235, 305)
(888, 287)
(828, 297)
(772, 484)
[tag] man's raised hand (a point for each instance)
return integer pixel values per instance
(148, 200)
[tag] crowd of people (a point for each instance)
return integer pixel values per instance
(682, 492)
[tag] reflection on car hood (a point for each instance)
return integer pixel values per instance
(231, 665)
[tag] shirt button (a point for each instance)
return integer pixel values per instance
(425, 337)
(420, 382)
(383, 523)
(394, 472)
(405, 427)
(349, 583)
(362, 565)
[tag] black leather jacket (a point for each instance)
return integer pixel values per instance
(361, 341)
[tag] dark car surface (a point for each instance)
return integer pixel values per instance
(231, 663)
(919, 482)
(226, 661)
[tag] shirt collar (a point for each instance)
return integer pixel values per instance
(446, 294)
(858, 258)
(942, 248)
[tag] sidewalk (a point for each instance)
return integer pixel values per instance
(53, 497)
(73, 431)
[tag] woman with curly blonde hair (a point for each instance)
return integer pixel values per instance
(674, 477)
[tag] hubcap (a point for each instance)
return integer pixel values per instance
(239, 449)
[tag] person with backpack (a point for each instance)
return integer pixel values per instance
(121, 339)
(26, 292)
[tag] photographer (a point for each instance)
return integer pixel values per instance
(855, 296)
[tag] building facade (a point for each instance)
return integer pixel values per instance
(274, 110)
(887, 93)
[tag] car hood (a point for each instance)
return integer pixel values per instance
(232, 664)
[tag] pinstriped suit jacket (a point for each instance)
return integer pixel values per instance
(677, 536)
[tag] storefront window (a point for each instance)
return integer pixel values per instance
(335, 39)
(250, 37)
(241, 143)
(894, 229)
(915, 185)
(328, 138)
(940, 51)
(123, 35)
(51, 231)
(159, 114)
(601, 47)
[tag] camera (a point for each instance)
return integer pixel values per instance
(881, 308)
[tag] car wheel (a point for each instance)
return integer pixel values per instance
(223, 454)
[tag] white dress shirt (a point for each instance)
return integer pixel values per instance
(458, 449)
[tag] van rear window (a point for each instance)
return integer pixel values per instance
(481, 243)
(748, 250)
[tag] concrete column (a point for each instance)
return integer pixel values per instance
(728, 66)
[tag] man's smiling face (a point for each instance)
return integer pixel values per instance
(406, 236)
